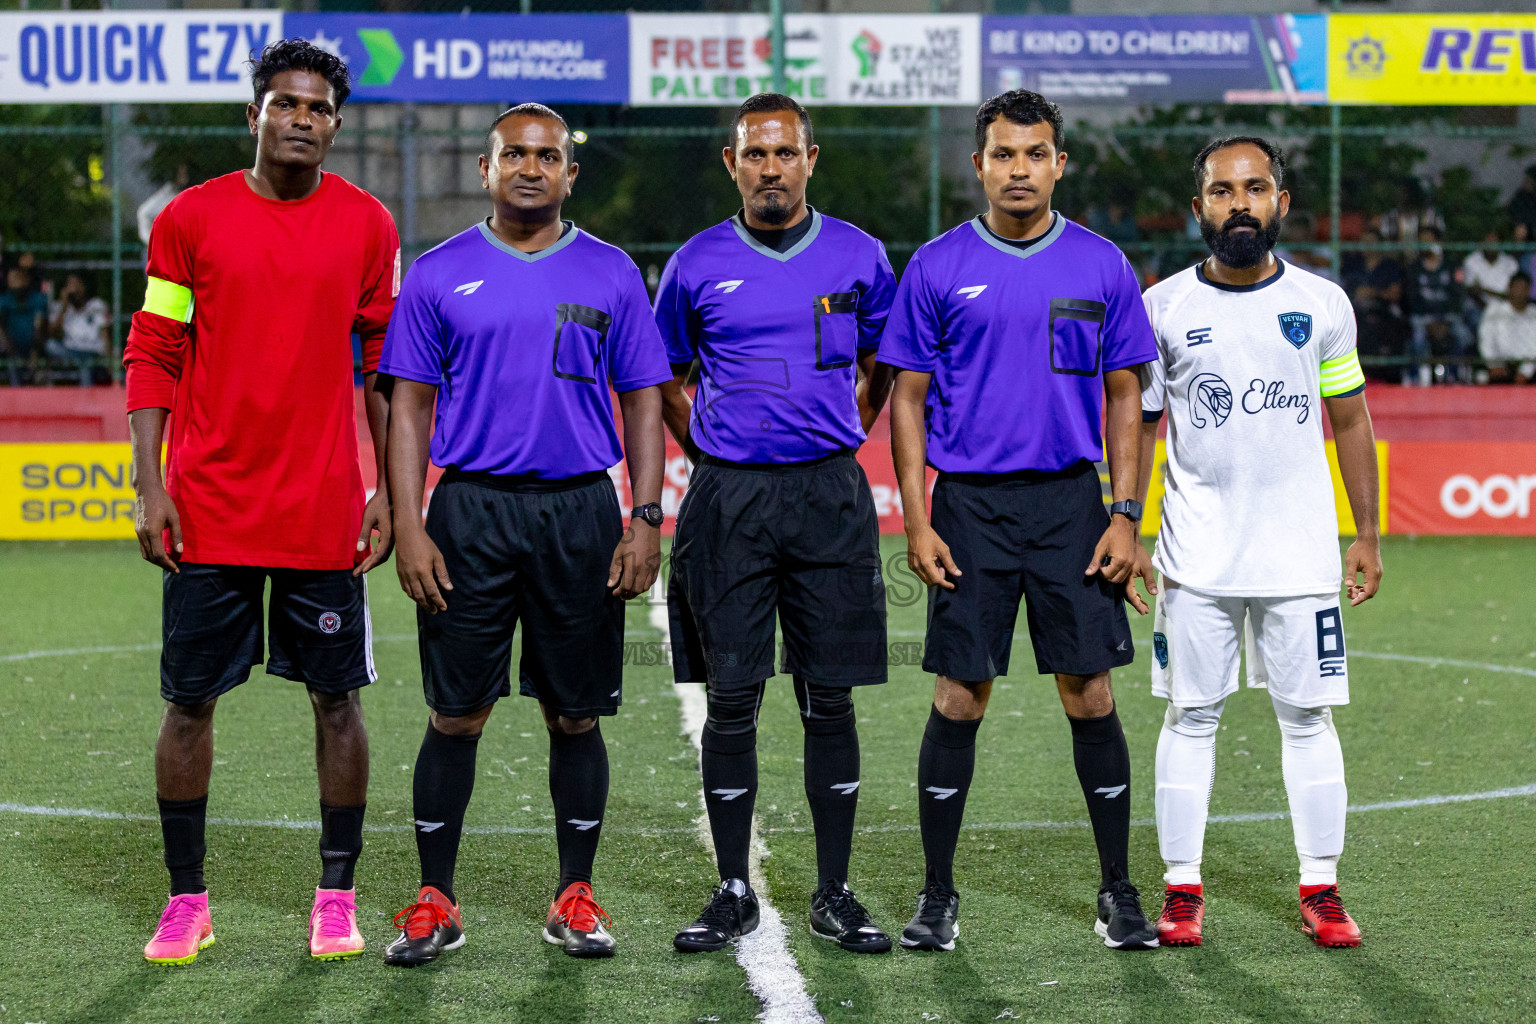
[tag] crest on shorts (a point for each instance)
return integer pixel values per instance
(1297, 328)
(329, 622)
(1160, 649)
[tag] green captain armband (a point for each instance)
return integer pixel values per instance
(171, 301)
(1342, 376)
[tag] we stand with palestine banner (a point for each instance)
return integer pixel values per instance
(830, 59)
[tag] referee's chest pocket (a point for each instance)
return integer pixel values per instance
(579, 335)
(837, 330)
(1077, 328)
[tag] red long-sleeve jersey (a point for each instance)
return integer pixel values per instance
(245, 336)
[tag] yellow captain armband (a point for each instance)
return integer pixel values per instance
(1342, 376)
(171, 301)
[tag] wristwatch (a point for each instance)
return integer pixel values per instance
(1130, 509)
(650, 512)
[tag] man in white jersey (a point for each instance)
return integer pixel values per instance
(1248, 348)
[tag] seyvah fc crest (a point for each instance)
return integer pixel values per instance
(1297, 328)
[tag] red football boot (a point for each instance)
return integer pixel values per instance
(1183, 914)
(1323, 917)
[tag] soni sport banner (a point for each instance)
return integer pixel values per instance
(706, 60)
(1432, 58)
(1161, 59)
(131, 56)
(482, 58)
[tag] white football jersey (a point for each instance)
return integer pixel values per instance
(1241, 372)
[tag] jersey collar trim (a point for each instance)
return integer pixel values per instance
(1058, 225)
(1276, 276)
(792, 251)
(529, 257)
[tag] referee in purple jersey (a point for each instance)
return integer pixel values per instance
(517, 328)
(1007, 335)
(782, 307)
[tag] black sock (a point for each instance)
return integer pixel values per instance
(181, 824)
(1104, 768)
(578, 786)
(440, 790)
(831, 775)
(341, 840)
(729, 764)
(944, 769)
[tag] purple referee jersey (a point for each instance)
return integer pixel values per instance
(778, 336)
(523, 348)
(1017, 341)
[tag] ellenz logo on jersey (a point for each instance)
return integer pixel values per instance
(1297, 328)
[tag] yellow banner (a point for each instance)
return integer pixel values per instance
(1153, 517)
(65, 492)
(1474, 59)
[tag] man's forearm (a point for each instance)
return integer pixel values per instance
(644, 448)
(376, 406)
(1123, 434)
(1357, 466)
(1148, 457)
(409, 436)
(909, 450)
(146, 433)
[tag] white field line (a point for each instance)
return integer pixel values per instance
(764, 955)
(49, 811)
(1480, 666)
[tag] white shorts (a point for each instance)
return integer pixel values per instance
(1295, 647)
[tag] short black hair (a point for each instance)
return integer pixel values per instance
(1022, 107)
(773, 103)
(1269, 149)
(1519, 275)
(299, 55)
(531, 110)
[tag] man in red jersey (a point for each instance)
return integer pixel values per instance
(257, 280)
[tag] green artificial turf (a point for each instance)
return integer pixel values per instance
(1442, 891)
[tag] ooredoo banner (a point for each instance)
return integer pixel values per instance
(1444, 487)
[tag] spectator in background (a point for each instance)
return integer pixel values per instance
(1117, 220)
(23, 312)
(1413, 213)
(1485, 277)
(1525, 260)
(80, 325)
(1433, 300)
(1374, 284)
(1522, 206)
(1507, 337)
(158, 200)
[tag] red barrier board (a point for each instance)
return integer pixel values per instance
(1445, 487)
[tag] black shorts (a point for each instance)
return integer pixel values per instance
(800, 539)
(1026, 535)
(531, 551)
(211, 629)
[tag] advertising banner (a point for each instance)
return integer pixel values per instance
(1432, 58)
(65, 491)
(482, 58)
(1160, 59)
(131, 56)
(1446, 487)
(844, 59)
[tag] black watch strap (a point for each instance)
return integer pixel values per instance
(1130, 509)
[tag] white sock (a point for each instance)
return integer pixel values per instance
(1313, 764)
(1186, 770)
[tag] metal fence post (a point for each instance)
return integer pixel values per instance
(1335, 189)
(776, 42)
(935, 142)
(115, 156)
(408, 173)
